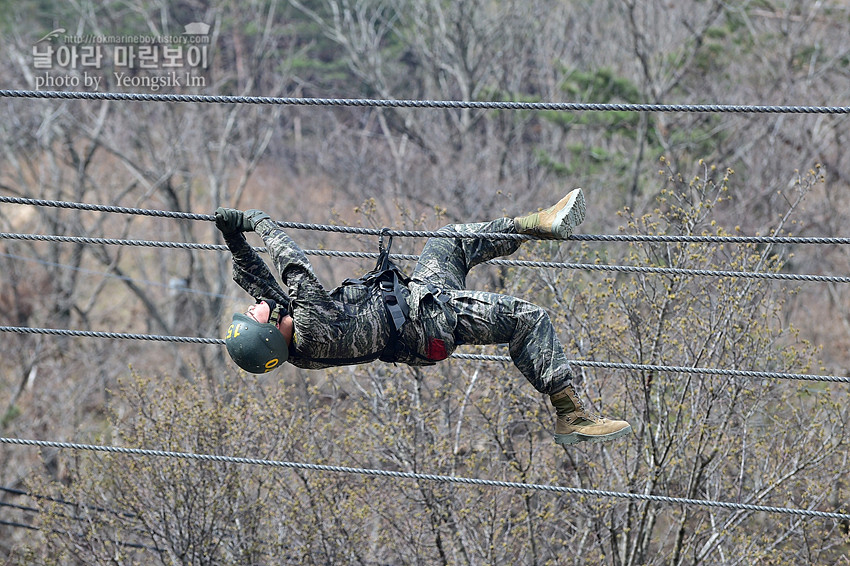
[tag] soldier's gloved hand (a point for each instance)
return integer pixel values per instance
(254, 217)
(230, 221)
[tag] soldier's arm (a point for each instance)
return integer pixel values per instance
(251, 272)
(291, 262)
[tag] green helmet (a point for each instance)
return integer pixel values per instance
(255, 347)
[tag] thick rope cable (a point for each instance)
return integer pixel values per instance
(440, 233)
(111, 335)
(106, 208)
(673, 369)
(608, 267)
(412, 257)
(423, 477)
(443, 104)
(112, 241)
(477, 357)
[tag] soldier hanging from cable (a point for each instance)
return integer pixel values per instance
(417, 321)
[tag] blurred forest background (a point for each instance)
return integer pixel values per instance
(771, 442)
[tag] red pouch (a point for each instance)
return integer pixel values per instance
(436, 350)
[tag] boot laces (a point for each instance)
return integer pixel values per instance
(580, 410)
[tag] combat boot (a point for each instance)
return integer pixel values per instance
(575, 424)
(556, 221)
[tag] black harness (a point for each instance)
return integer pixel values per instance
(388, 278)
(391, 282)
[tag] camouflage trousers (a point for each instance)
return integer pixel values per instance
(491, 318)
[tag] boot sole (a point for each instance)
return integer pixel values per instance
(576, 437)
(571, 215)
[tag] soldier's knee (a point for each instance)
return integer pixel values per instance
(530, 313)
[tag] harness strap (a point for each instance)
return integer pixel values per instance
(438, 294)
(390, 281)
(394, 302)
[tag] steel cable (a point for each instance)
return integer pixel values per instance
(442, 233)
(418, 476)
(411, 257)
(440, 104)
(479, 357)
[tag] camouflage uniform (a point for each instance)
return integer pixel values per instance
(349, 325)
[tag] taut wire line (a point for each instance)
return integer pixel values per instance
(479, 357)
(442, 233)
(419, 476)
(411, 257)
(441, 104)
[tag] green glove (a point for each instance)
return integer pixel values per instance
(230, 221)
(253, 217)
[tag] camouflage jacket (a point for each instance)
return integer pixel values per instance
(348, 325)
